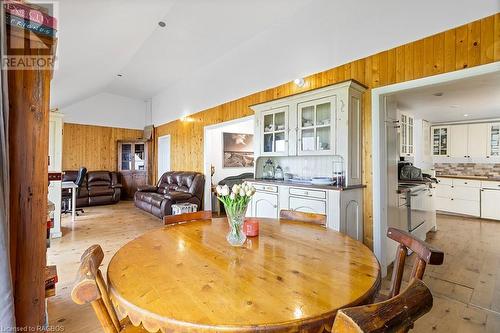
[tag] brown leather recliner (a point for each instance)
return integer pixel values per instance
(98, 188)
(173, 187)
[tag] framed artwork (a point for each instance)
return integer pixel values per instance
(237, 150)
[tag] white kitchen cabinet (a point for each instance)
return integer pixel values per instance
(407, 147)
(343, 209)
(274, 132)
(316, 126)
(307, 205)
(490, 204)
(265, 205)
(477, 140)
(440, 136)
(458, 141)
(459, 196)
(493, 141)
(323, 121)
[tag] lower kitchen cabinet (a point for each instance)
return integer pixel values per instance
(307, 205)
(490, 200)
(264, 205)
(469, 197)
(343, 209)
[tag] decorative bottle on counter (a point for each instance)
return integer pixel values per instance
(338, 170)
(278, 173)
(268, 170)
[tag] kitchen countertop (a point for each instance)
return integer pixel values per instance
(288, 183)
(486, 178)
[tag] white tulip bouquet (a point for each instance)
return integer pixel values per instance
(235, 202)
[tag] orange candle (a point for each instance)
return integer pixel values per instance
(251, 227)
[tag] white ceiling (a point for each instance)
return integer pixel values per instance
(243, 46)
(477, 97)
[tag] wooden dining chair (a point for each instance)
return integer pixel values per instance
(294, 215)
(186, 217)
(90, 287)
(397, 314)
(425, 255)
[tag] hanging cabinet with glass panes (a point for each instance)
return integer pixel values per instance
(316, 127)
(407, 147)
(494, 141)
(274, 132)
(132, 165)
(440, 141)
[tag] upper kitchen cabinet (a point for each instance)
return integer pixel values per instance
(325, 121)
(407, 122)
(468, 141)
(316, 127)
(274, 132)
(440, 137)
(493, 141)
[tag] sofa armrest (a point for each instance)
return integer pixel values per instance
(176, 196)
(147, 188)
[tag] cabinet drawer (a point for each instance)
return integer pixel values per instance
(467, 183)
(307, 193)
(465, 193)
(266, 188)
(307, 205)
(445, 181)
(491, 185)
(443, 190)
(458, 206)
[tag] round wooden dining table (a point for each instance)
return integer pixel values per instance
(294, 276)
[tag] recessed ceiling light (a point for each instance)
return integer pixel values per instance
(300, 82)
(466, 115)
(438, 94)
(162, 24)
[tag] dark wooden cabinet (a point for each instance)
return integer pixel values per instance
(133, 162)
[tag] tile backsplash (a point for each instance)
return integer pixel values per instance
(302, 166)
(468, 169)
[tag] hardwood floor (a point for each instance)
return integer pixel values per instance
(466, 287)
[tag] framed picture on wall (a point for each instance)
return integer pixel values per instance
(237, 150)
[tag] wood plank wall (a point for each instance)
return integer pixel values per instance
(94, 147)
(469, 45)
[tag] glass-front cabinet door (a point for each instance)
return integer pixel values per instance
(316, 127)
(275, 132)
(132, 156)
(406, 135)
(440, 139)
(494, 141)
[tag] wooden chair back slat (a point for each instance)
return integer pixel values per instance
(426, 255)
(186, 217)
(294, 215)
(90, 287)
(397, 314)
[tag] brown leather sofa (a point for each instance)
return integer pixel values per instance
(98, 188)
(173, 187)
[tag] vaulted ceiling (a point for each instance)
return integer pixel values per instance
(229, 39)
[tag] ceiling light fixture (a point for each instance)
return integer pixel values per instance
(466, 115)
(162, 24)
(119, 75)
(300, 82)
(438, 94)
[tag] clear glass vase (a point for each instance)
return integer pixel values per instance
(236, 218)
